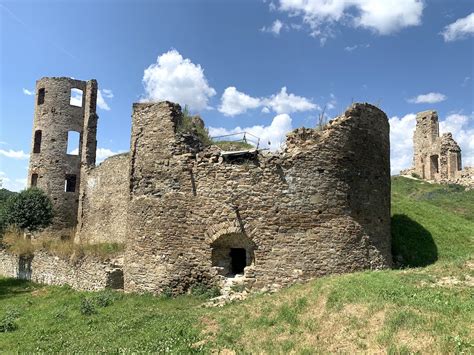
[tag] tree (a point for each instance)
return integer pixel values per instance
(29, 210)
(5, 195)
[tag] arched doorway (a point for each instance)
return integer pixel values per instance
(232, 253)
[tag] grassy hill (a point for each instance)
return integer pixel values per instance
(424, 306)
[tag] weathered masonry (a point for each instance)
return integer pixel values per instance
(59, 118)
(437, 158)
(187, 213)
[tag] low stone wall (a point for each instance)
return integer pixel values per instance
(87, 273)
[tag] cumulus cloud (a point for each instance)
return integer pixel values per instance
(234, 102)
(177, 79)
(272, 136)
(101, 95)
(11, 184)
(275, 28)
(462, 128)
(401, 138)
(383, 17)
(460, 29)
(101, 153)
(14, 154)
(289, 103)
(430, 98)
(28, 92)
(401, 142)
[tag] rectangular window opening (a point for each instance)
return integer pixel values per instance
(37, 142)
(76, 97)
(34, 180)
(41, 94)
(73, 139)
(70, 183)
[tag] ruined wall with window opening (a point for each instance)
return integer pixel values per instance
(51, 168)
(437, 158)
(188, 214)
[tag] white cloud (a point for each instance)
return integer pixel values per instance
(331, 104)
(76, 97)
(107, 93)
(462, 128)
(14, 154)
(356, 46)
(104, 153)
(460, 29)
(430, 98)
(234, 102)
(101, 101)
(384, 17)
(272, 136)
(101, 153)
(289, 103)
(177, 79)
(465, 81)
(28, 92)
(401, 138)
(11, 184)
(275, 28)
(401, 142)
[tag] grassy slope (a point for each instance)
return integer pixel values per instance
(426, 308)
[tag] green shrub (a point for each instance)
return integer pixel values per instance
(205, 291)
(30, 210)
(105, 298)
(7, 323)
(87, 307)
(186, 125)
(5, 195)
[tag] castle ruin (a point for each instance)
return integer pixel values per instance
(189, 213)
(436, 158)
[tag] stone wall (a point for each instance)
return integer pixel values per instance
(322, 206)
(104, 202)
(436, 158)
(85, 274)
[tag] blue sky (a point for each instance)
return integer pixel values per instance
(264, 66)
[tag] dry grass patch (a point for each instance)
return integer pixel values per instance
(17, 243)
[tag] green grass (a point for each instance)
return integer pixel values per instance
(233, 145)
(424, 306)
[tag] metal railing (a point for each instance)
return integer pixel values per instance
(243, 137)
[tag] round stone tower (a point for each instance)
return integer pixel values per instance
(64, 116)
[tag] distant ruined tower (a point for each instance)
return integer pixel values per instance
(62, 115)
(435, 158)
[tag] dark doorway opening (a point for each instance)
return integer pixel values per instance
(239, 260)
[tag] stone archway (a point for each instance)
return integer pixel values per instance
(232, 253)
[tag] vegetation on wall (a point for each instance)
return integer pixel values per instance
(189, 124)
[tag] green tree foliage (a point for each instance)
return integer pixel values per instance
(4, 196)
(30, 210)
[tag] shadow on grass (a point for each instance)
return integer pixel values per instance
(412, 244)
(13, 287)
